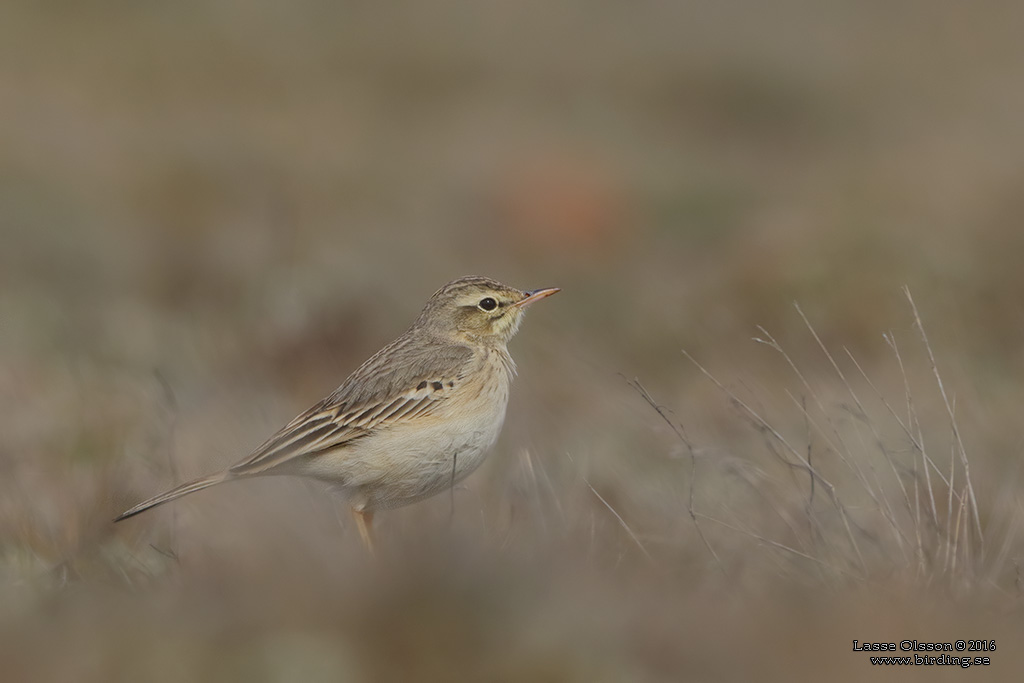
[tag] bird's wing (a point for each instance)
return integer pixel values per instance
(401, 382)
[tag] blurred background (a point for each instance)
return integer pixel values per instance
(212, 212)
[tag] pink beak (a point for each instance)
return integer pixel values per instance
(536, 295)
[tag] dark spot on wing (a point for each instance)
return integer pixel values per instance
(451, 384)
(422, 385)
(437, 386)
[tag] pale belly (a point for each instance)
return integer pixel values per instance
(415, 460)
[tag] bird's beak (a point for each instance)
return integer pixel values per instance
(536, 295)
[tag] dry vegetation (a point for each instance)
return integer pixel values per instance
(211, 212)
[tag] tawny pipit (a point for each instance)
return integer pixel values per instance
(414, 419)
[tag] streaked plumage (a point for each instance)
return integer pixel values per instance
(415, 418)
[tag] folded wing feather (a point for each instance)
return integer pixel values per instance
(350, 414)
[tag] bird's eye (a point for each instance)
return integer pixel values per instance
(488, 304)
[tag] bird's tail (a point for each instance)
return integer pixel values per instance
(175, 493)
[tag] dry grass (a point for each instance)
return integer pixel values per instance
(855, 497)
(827, 515)
(211, 212)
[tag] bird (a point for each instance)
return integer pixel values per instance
(413, 420)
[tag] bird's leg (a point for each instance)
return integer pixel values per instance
(364, 520)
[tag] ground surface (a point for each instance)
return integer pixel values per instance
(210, 213)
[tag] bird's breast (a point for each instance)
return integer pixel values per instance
(413, 459)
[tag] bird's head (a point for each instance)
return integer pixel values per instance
(478, 309)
